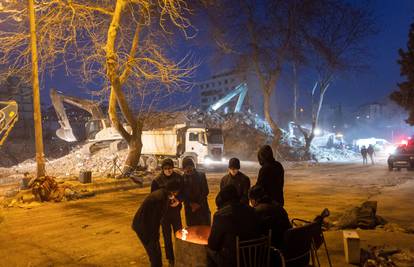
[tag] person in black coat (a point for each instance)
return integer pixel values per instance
(271, 175)
(195, 192)
(147, 220)
(171, 222)
(271, 215)
(364, 154)
(238, 179)
(232, 219)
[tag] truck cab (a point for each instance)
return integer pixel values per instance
(206, 144)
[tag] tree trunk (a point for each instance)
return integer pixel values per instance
(37, 116)
(134, 152)
(277, 133)
(295, 94)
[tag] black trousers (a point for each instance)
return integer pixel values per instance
(170, 224)
(153, 249)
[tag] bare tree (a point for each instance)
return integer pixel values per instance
(118, 43)
(337, 45)
(268, 36)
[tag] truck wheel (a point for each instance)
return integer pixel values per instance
(152, 163)
(398, 169)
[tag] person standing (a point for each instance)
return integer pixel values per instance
(364, 154)
(271, 175)
(171, 221)
(195, 192)
(370, 151)
(147, 220)
(238, 179)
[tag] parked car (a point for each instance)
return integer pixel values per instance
(403, 157)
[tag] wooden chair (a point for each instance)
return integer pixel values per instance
(253, 252)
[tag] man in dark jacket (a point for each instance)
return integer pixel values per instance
(370, 151)
(231, 220)
(238, 179)
(271, 215)
(271, 175)
(364, 153)
(147, 220)
(171, 222)
(195, 192)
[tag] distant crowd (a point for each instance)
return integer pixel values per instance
(243, 211)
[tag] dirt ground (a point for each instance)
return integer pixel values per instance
(97, 232)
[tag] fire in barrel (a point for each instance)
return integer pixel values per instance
(190, 246)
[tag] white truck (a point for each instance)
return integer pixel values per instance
(202, 145)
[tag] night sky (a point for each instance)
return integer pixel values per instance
(350, 89)
(394, 19)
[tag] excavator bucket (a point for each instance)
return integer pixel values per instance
(66, 134)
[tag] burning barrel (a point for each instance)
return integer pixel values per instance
(190, 246)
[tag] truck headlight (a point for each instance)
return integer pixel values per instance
(208, 161)
(411, 158)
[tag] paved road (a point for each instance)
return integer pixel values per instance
(96, 231)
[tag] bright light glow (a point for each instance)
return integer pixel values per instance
(208, 161)
(223, 159)
(390, 150)
(404, 142)
(317, 131)
(339, 135)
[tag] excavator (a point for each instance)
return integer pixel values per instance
(8, 117)
(99, 131)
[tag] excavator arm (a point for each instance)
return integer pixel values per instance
(8, 117)
(240, 90)
(65, 132)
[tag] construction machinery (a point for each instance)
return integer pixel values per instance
(8, 117)
(240, 90)
(186, 140)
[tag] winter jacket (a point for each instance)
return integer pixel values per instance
(161, 181)
(273, 217)
(147, 220)
(195, 190)
(271, 175)
(233, 219)
(241, 182)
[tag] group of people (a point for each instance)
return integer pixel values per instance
(365, 152)
(242, 210)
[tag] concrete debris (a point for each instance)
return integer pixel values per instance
(386, 257)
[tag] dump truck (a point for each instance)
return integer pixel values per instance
(204, 146)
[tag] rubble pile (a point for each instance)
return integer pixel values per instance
(386, 257)
(101, 163)
(235, 136)
(334, 154)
